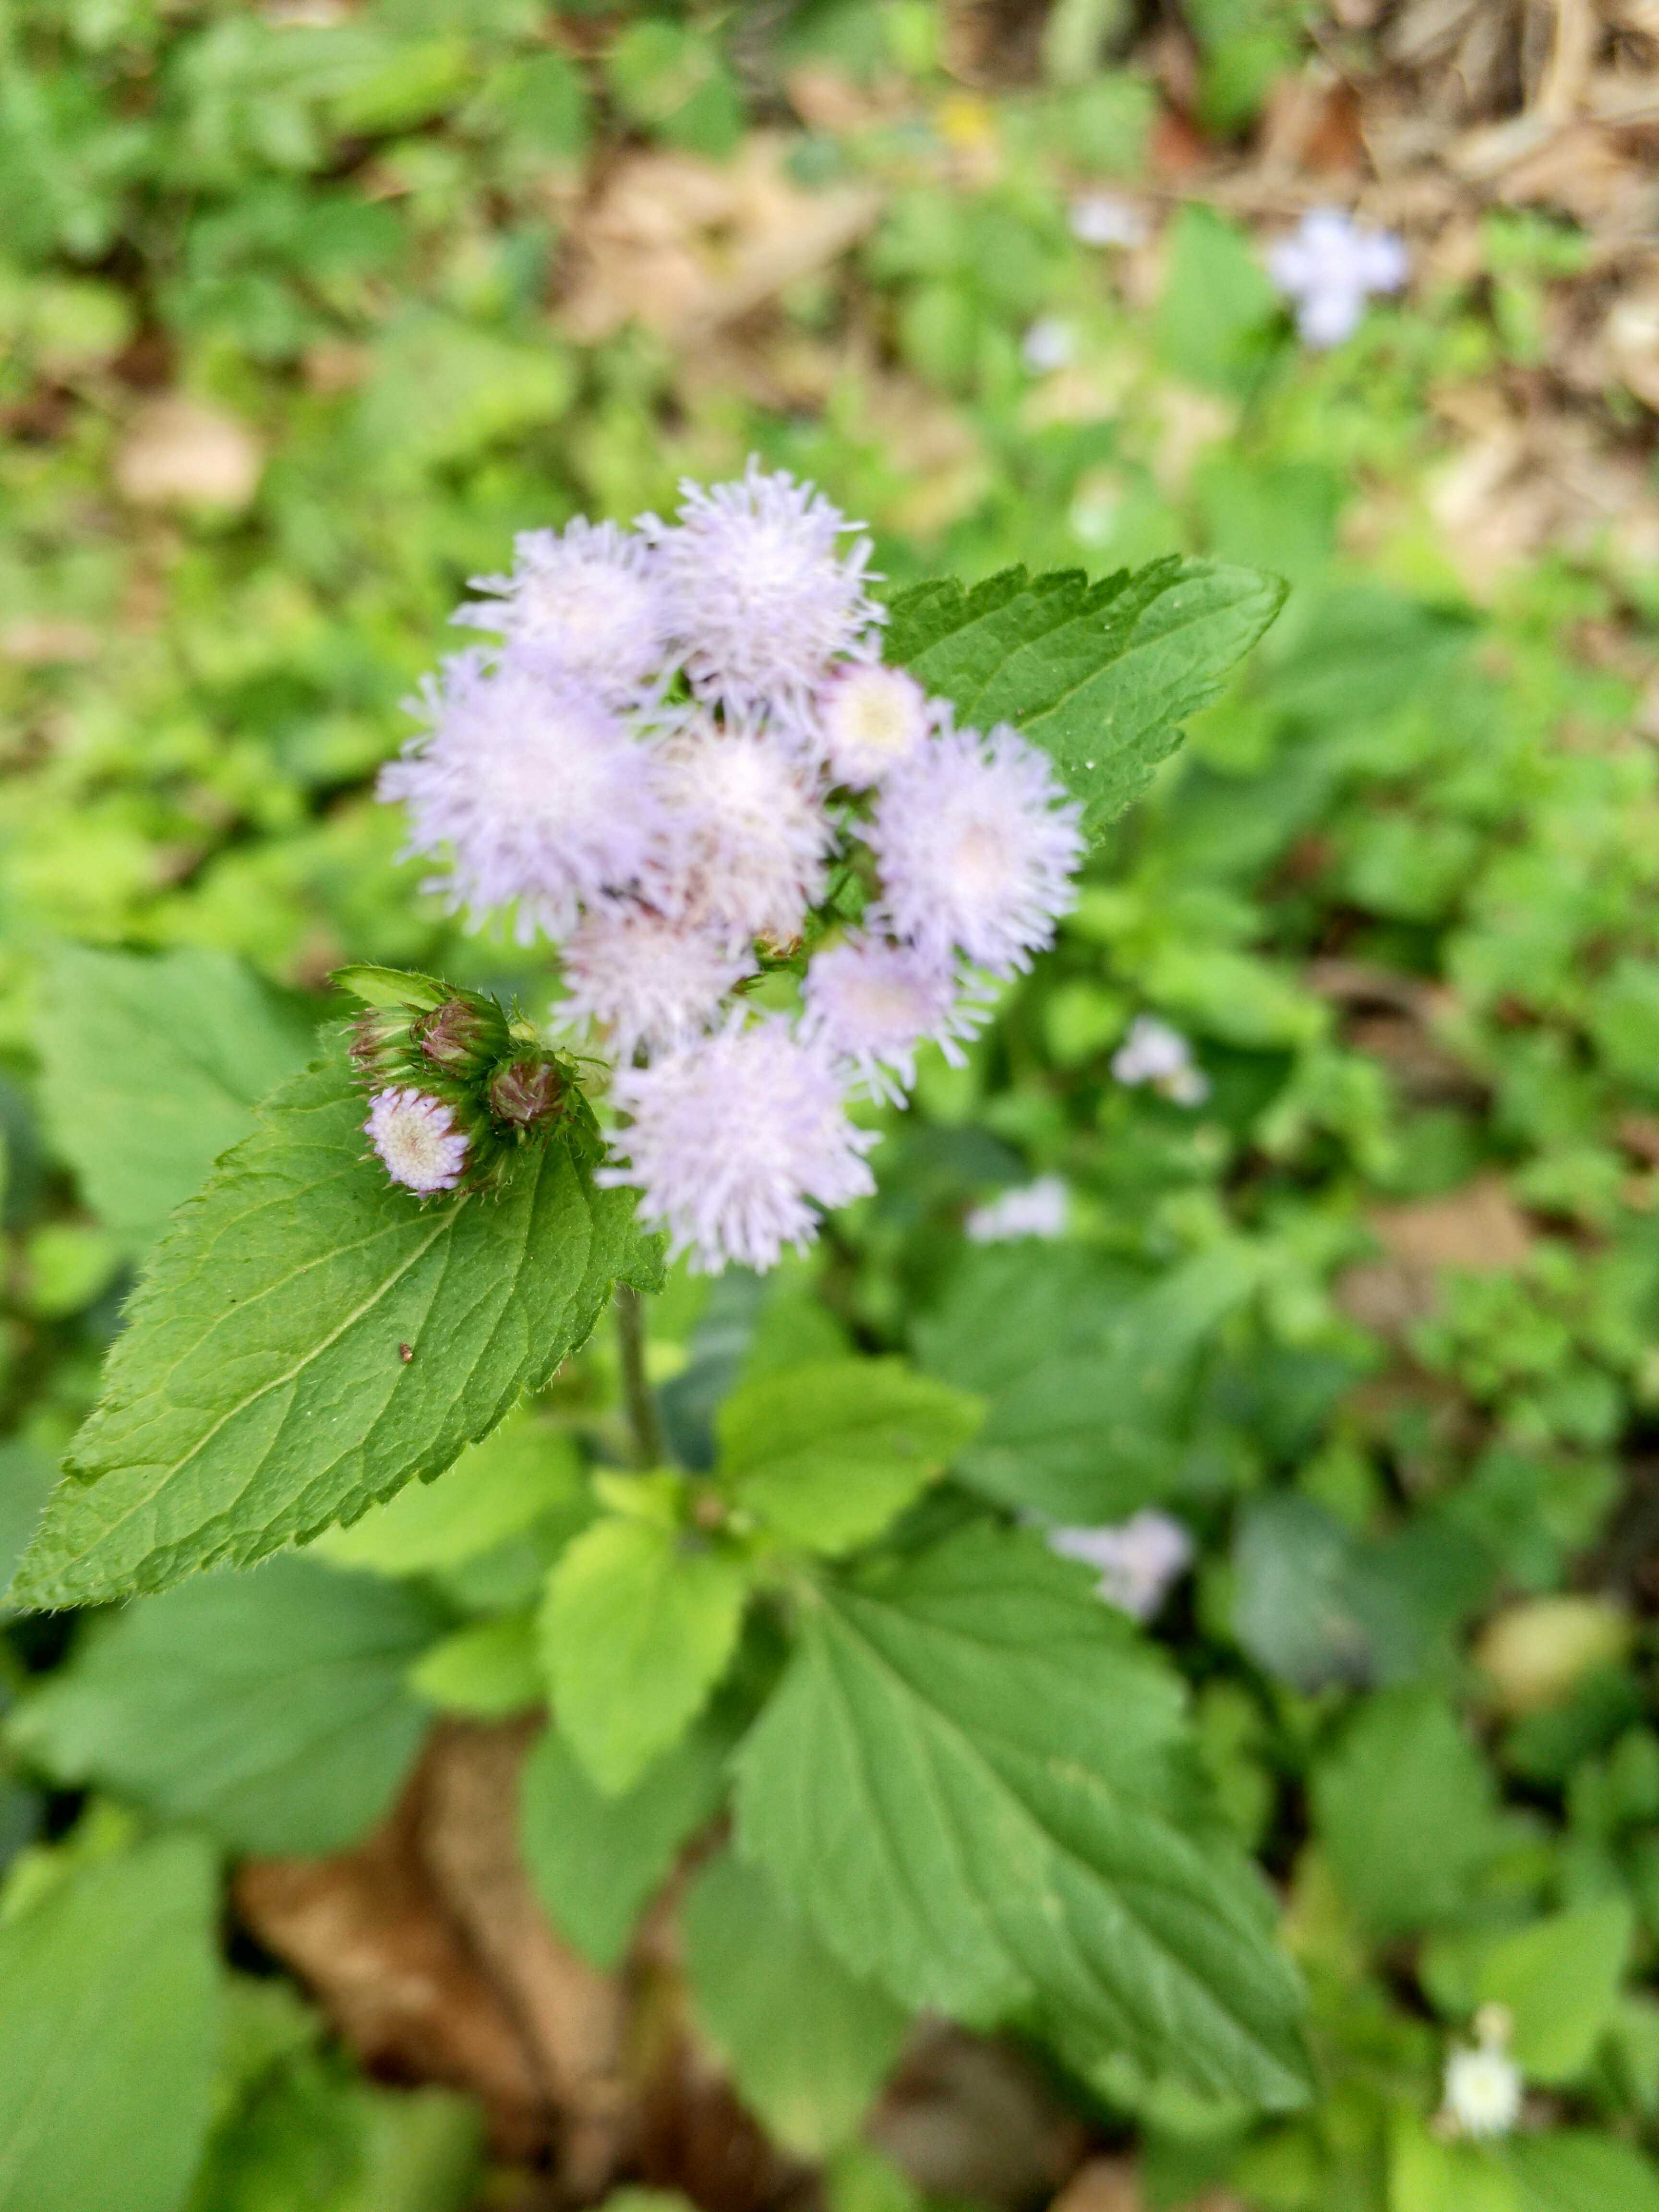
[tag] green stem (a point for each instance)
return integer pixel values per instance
(649, 1450)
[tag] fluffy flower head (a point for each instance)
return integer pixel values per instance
(647, 979)
(1139, 1560)
(585, 600)
(870, 719)
(1031, 1209)
(760, 600)
(734, 1141)
(1153, 1053)
(1050, 343)
(746, 840)
(873, 1003)
(1483, 2087)
(537, 791)
(976, 843)
(417, 1140)
(1329, 266)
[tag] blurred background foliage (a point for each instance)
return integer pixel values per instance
(305, 308)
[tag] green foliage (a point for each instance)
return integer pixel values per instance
(826, 1456)
(1100, 674)
(641, 1620)
(807, 2044)
(150, 1069)
(972, 1785)
(108, 1999)
(288, 1289)
(268, 1708)
(596, 1859)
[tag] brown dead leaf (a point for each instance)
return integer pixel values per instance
(1112, 2184)
(683, 246)
(966, 2117)
(367, 1931)
(1478, 1230)
(180, 452)
(573, 2017)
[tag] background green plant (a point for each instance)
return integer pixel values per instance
(1377, 1321)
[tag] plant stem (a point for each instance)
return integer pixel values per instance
(649, 1450)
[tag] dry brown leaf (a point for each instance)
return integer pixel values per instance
(367, 1931)
(1478, 1230)
(180, 452)
(966, 2117)
(683, 245)
(572, 2016)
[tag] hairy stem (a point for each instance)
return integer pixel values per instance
(649, 1450)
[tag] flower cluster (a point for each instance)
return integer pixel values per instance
(1329, 266)
(1154, 1053)
(1139, 1560)
(1483, 2086)
(684, 761)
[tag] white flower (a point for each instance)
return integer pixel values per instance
(735, 1140)
(1330, 267)
(976, 842)
(646, 978)
(746, 838)
(872, 1003)
(1032, 1209)
(1102, 219)
(870, 719)
(587, 600)
(1139, 1560)
(1050, 343)
(760, 600)
(416, 1140)
(1153, 1053)
(539, 794)
(1483, 2086)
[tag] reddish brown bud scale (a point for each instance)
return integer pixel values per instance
(527, 1094)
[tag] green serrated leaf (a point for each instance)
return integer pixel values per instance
(495, 1489)
(976, 1783)
(808, 2043)
(269, 1707)
(596, 1860)
(827, 1454)
(638, 1624)
(260, 1390)
(108, 2004)
(151, 1068)
(1101, 675)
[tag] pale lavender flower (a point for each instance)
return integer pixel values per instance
(1329, 266)
(761, 601)
(872, 1003)
(746, 838)
(1032, 1209)
(538, 792)
(416, 1140)
(976, 842)
(870, 719)
(735, 1140)
(1139, 1560)
(1050, 343)
(646, 978)
(1154, 1053)
(585, 600)
(1104, 219)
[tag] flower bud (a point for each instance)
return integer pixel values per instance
(527, 1093)
(465, 1035)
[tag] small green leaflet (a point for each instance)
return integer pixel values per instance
(270, 1707)
(1570, 2170)
(977, 1783)
(827, 1454)
(597, 1861)
(108, 2020)
(260, 1391)
(641, 1620)
(488, 1670)
(151, 1067)
(808, 2045)
(1100, 674)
